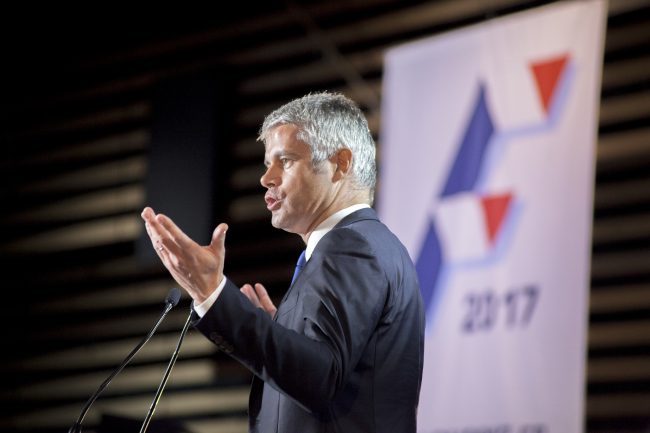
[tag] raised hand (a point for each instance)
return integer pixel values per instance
(198, 269)
(259, 297)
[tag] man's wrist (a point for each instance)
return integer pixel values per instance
(202, 308)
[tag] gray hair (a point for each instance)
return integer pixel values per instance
(328, 122)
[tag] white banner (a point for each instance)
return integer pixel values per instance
(488, 149)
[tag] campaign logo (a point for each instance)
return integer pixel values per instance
(469, 224)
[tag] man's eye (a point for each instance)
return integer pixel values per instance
(286, 162)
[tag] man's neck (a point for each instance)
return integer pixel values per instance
(347, 196)
(328, 224)
(328, 214)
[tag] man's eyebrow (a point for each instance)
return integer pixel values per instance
(280, 154)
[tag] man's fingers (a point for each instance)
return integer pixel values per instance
(159, 227)
(175, 233)
(259, 297)
(264, 297)
(155, 230)
(248, 291)
(165, 246)
(147, 213)
(261, 291)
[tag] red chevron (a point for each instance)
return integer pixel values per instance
(495, 208)
(547, 74)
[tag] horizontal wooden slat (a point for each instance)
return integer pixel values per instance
(623, 148)
(248, 208)
(132, 378)
(622, 193)
(606, 370)
(247, 176)
(113, 352)
(171, 405)
(125, 295)
(311, 74)
(617, 298)
(625, 72)
(101, 147)
(619, 334)
(95, 204)
(606, 265)
(83, 235)
(621, 228)
(111, 327)
(622, 108)
(248, 148)
(116, 172)
(228, 425)
(634, 34)
(625, 6)
(619, 405)
(136, 110)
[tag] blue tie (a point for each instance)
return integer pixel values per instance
(299, 265)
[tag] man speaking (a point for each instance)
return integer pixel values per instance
(343, 351)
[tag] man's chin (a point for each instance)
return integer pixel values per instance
(278, 223)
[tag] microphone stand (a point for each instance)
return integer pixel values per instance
(168, 371)
(170, 302)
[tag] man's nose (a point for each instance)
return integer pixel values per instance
(268, 178)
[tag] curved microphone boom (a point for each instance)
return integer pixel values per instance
(161, 387)
(171, 300)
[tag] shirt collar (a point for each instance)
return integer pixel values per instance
(327, 225)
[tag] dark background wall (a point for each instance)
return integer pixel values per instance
(86, 103)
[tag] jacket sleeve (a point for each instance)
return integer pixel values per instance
(320, 331)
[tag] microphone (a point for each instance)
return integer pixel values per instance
(161, 387)
(171, 300)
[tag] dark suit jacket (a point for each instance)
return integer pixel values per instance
(344, 352)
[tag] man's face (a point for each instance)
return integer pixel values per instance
(298, 195)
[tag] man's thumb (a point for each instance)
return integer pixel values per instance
(219, 237)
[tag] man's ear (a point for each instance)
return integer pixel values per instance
(343, 161)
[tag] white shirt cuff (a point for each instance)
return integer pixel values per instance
(204, 306)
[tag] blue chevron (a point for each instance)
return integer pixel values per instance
(471, 154)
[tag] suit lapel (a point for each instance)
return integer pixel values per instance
(360, 215)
